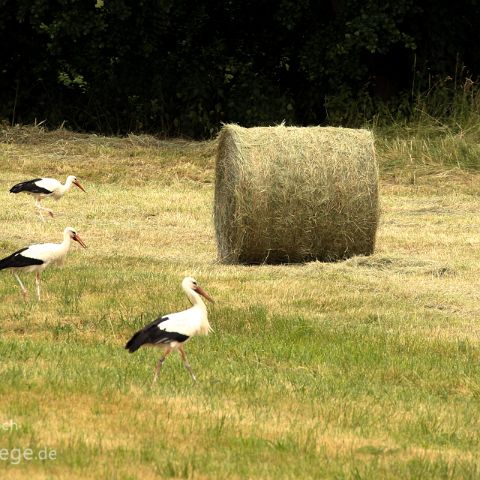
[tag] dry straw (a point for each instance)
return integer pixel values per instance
(291, 194)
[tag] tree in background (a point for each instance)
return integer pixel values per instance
(181, 67)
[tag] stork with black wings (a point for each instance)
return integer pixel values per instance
(171, 332)
(41, 188)
(36, 258)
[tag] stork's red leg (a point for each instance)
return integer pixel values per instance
(22, 286)
(159, 365)
(185, 363)
(37, 282)
(44, 209)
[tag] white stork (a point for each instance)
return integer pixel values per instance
(170, 332)
(38, 257)
(46, 187)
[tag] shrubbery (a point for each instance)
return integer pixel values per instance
(181, 67)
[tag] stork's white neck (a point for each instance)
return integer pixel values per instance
(198, 304)
(67, 185)
(195, 298)
(59, 250)
(67, 241)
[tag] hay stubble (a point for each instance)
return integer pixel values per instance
(361, 369)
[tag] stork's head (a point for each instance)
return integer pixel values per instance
(189, 283)
(73, 179)
(72, 233)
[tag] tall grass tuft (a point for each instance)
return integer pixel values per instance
(439, 128)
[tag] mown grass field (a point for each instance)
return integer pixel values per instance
(362, 369)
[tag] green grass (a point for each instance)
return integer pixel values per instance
(368, 368)
(439, 136)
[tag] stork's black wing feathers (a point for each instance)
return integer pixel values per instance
(153, 335)
(17, 260)
(29, 186)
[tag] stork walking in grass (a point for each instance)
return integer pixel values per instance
(36, 258)
(172, 331)
(46, 187)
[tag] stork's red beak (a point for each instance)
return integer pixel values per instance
(77, 183)
(79, 240)
(203, 293)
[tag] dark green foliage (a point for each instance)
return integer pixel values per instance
(184, 66)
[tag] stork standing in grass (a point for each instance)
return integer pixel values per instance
(36, 258)
(46, 187)
(172, 331)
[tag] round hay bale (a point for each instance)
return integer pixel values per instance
(294, 194)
